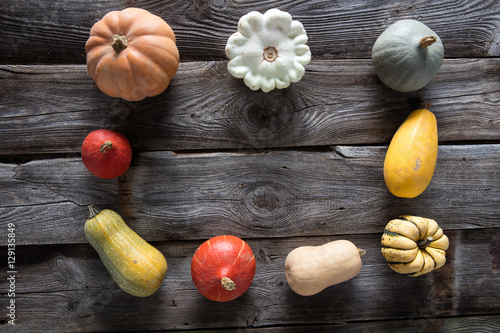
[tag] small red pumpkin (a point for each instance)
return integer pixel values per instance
(106, 153)
(223, 268)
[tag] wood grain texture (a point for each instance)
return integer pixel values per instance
(168, 196)
(50, 109)
(479, 324)
(70, 283)
(55, 32)
(293, 167)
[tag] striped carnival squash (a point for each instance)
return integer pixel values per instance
(414, 245)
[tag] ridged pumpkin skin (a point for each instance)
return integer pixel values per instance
(136, 266)
(411, 158)
(132, 54)
(311, 269)
(414, 245)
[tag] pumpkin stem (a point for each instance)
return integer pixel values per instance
(427, 41)
(427, 106)
(105, 146)
(119, 43)
(361, 252)
(424, 242)
(227, 283)
(93, 211)
(270, 53)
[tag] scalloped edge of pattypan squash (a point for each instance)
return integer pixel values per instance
(268, 51)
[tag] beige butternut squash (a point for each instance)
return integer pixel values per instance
(311, 269)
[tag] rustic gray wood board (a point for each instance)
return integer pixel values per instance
(58, 30)
(51, 109)
(478, 324)
(70, 282)
(293, 167)
(167, 196)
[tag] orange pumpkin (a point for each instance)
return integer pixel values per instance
(132, 54)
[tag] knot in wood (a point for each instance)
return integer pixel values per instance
(265, 199)
(69, 272)
(263, 116)
(268, 202)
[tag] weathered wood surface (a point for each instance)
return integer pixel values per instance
(300, 166)
(482, 324)
(59, 29)
(67, 289)
(51, 109)
(335, 191)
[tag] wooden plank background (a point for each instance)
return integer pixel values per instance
(299, 166)
(58, 29)
(338, 102)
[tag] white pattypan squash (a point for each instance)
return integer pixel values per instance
(268, 51)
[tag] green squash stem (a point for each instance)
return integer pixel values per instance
(425, 242)
(93, 211)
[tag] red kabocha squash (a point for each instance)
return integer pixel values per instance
(132, 54)
(106, 153)
(223, 268)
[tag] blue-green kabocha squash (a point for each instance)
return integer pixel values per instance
(407, 55)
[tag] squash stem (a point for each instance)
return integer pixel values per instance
(425, 242)
(270, 53)
(227, 283)
(119, 43)
(361, 252)
(106, 145)
(93, 211)
(427, 106)
(427, 41)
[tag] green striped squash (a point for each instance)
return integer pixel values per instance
(136, 266)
